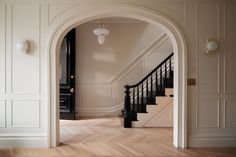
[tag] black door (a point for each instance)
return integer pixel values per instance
(67, 77)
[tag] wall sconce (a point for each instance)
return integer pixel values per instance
(22, 45)
(211, 46)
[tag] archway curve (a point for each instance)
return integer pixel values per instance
(66, 23)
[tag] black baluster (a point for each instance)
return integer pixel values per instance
(134, 99)
(151, 90)
(161, 79)
(165, 71)
(138, 107)
(170, 68)
(127, 109)
(132, 104)
(165, 79)
(147, 91)
(156, 83)
(142, 98)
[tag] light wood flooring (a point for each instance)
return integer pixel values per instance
(106, 137)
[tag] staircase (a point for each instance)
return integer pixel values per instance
(147, 102)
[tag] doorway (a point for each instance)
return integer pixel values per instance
(67, 76)
(179, 46)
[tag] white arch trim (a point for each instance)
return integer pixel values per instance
(70, 19)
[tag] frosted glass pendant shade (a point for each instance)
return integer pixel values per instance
(101, 39)
(101, 32)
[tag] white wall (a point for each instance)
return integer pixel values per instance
(100, 82)
(23, 77)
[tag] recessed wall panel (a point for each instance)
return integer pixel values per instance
(207, 113)
(230, 116)
(132, 76)
(2, 114)
(230, 51)
(208, 66)
(95, 96)
(25, 66)
(2, 49)
(25, 113)
(159, 54)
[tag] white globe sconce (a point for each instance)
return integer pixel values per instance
(22, 46)
(211, 45)
(101, 32)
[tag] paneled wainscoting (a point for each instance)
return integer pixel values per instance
(107, 137)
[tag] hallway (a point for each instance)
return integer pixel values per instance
(107, 137)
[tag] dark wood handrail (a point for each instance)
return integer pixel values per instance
(154, 70)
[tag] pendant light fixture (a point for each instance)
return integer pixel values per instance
(101, 32)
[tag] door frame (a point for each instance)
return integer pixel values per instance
(71, 18)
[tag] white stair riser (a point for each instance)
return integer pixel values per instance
(159, 115)
(168, 91)
(163, 118)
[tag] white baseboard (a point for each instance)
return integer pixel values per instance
(98, 113)
(212, 142)
(23, 142)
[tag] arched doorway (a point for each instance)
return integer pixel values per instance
(75, 18)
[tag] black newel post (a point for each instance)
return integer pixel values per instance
(127, 108)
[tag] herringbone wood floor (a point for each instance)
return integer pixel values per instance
(107, 138)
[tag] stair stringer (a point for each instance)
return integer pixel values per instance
(162, 119)
(164, 103)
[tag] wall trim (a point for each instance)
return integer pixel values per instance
(212, 142)
(91, 112)
(154, 44)
(3, 123)
(23, 142)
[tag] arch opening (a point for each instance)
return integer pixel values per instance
(143, 14)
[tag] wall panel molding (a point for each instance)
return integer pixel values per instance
(230, 55)
(95, 94)
(163, 48)
(229, 113)
(3, 114)
(3, 70)
(23, 76)
(224, 49)
(155, 44)
(208, 30)
(203, 118)
(25, 114)
(39, 48)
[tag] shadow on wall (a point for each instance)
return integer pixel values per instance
(98, 63)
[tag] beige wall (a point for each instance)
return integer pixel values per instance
(102, 70)
(23, 80)
(99, 63)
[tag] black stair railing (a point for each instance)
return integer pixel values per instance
(145, 91)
